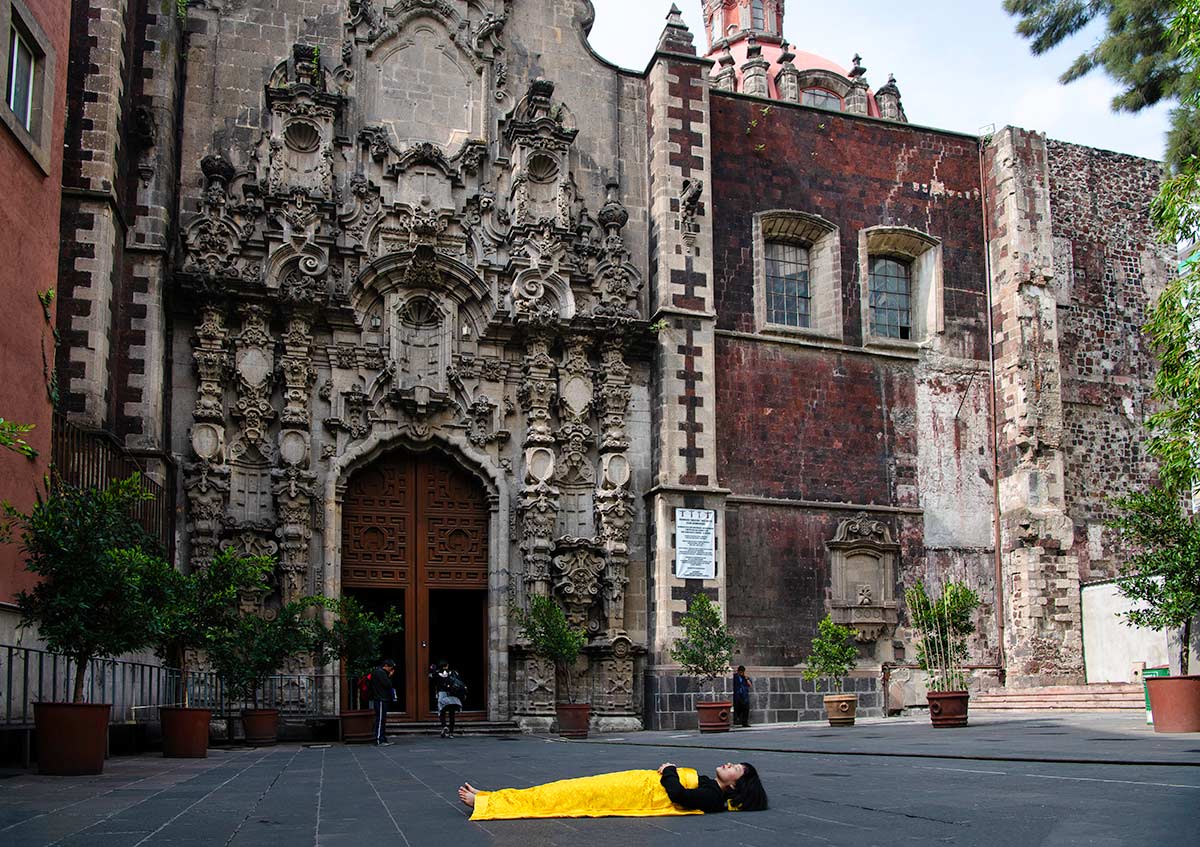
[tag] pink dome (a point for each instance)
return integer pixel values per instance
(771, 51)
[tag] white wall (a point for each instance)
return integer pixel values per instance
(1110, 647)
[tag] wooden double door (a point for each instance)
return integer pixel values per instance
(415, 537)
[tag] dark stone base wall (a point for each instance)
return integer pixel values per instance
(779, 696)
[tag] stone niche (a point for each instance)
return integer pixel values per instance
(863, 575)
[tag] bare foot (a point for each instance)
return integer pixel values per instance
(466, 793)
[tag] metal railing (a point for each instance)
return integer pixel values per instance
(137, 689)
(87, 458)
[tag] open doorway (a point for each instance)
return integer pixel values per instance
(458, 635)
(392, 646)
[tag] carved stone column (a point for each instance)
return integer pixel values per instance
(539, 497)
(207, 478)
(614, 508)
(294, 480)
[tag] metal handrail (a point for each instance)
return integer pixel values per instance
(138, 689)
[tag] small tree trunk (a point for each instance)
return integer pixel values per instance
(81, 663)
(1187, 648)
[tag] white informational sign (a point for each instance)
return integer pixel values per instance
(695, 544)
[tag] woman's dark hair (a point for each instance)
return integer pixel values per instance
(747, 794)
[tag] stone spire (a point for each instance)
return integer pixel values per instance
(888, 99)
(676, 37)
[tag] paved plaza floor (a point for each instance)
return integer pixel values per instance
(1013, 780)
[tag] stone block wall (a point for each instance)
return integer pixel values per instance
(1108, 272)
(778, 696)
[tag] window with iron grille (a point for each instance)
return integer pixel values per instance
(757, 18)
(891, 297)
(789, 301)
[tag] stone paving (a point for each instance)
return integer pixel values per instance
(1025, 780)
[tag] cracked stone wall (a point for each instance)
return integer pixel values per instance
(1074, 270)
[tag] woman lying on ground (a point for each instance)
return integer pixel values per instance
(629, 794)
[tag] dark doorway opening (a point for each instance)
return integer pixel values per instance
(458, 635)
(379, 600)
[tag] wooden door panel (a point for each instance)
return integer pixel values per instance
(455, 524)
(416, 523)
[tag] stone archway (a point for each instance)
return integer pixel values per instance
(415, 532)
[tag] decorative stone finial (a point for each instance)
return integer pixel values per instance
(858, 69)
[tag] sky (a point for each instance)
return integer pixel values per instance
(959, 63)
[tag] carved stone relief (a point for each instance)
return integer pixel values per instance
(863, 577)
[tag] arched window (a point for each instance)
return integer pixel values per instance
(797, 276)
(757, 16)
(821, 98)
(891, 297)
(789, 300)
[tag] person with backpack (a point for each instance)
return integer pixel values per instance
(381, 691)
(450, 691)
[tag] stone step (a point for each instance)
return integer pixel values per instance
(1099, 697)
(396, 726)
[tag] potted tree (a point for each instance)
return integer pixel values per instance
(552, 637)
(942, 628)
(833, 657)
(253, 649)
(1163, 576)
(704, 651)
(355, 637)
(91, 602)
(200, 608)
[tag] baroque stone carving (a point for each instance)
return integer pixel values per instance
(863, 577)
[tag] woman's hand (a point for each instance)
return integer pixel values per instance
(665, 765)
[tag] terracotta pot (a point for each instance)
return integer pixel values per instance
(573, 719)
(841, 708)
(714, 717)
(358, 726)
(1175, 703)
(185, 732)
(948, 708)
(261, 726)
(72, 738)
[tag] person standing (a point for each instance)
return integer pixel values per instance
(450, 691)
(741, 697)
(382, 692)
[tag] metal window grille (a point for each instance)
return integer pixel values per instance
(821, 98)
(789, 301)
(757, 18)
(891, 298)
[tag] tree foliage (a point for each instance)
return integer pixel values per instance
(943, 626)
(1174, 325)
(256, 647)
(1137, 50)
(10, 438)
(199, 608)
(1163, 570)
(706, 648)
(833, 653)
(552, 636)
(92, 600)
(357, 633)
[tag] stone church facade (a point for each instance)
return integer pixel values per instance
(434, 305)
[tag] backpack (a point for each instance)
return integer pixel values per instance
(455, 687)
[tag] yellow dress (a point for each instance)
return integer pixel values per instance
(627, 794)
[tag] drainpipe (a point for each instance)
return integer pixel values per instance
(992, 415)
